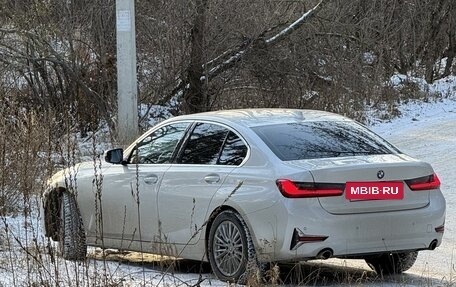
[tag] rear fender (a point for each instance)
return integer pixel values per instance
(261, 226)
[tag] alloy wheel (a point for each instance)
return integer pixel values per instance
(228, 248)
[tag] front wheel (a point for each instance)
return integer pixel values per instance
(230, 249)
(71, 231)
(392, 263)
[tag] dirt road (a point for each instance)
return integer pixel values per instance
(433, 141)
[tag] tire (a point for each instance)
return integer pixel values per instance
(231, 251)
(392, 263)
(71, 232)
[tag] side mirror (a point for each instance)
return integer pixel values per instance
(114, 156)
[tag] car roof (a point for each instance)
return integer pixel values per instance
(262, 117)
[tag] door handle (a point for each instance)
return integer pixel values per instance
(212, 178)
(150, 179)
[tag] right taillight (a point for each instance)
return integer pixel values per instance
(292, 189)
(424, 183)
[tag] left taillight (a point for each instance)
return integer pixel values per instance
(292, 189)
(424, 183)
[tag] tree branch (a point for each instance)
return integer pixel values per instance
(296, 24)
(231, 57)
(228, 59)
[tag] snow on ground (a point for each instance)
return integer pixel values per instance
(428, 132)
(425, 130)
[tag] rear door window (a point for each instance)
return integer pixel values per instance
(324, 139)
(213, 144)
(234, 151)
(204, 145)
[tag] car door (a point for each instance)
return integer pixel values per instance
(189, 185)
(130, 190)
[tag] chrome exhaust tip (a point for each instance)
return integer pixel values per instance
(325, 253)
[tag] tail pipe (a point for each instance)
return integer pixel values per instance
(325, 253)
(433, 244)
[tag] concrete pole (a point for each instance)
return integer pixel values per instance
(127, 99)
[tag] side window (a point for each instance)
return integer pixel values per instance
(159, 146)
(234, 150)
(204, 145)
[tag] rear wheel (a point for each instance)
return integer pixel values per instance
(71, 232)
(392, 263)
(230, 249)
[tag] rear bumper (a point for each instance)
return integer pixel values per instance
(348, 235)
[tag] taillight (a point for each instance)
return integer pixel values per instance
(293, 189)
(424, 183)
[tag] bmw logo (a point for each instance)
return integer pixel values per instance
(380, 174)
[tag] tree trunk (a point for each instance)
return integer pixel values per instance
(195, 97)
(451, 52)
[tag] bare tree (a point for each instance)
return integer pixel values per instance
(200, 72)
(203, 55)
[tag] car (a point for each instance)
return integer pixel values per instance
(243, 188)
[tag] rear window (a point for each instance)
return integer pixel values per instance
(307, 140)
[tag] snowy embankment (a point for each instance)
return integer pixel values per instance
(424, 130)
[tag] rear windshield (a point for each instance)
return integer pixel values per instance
(307, 140)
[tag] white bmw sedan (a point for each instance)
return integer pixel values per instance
(240, 188)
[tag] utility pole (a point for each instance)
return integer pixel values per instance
(127, 99)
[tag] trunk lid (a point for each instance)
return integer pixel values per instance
(396, 167)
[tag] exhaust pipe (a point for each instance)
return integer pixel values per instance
(433, 244)
(325, 253)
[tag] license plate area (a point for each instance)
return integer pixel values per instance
(381, 190)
